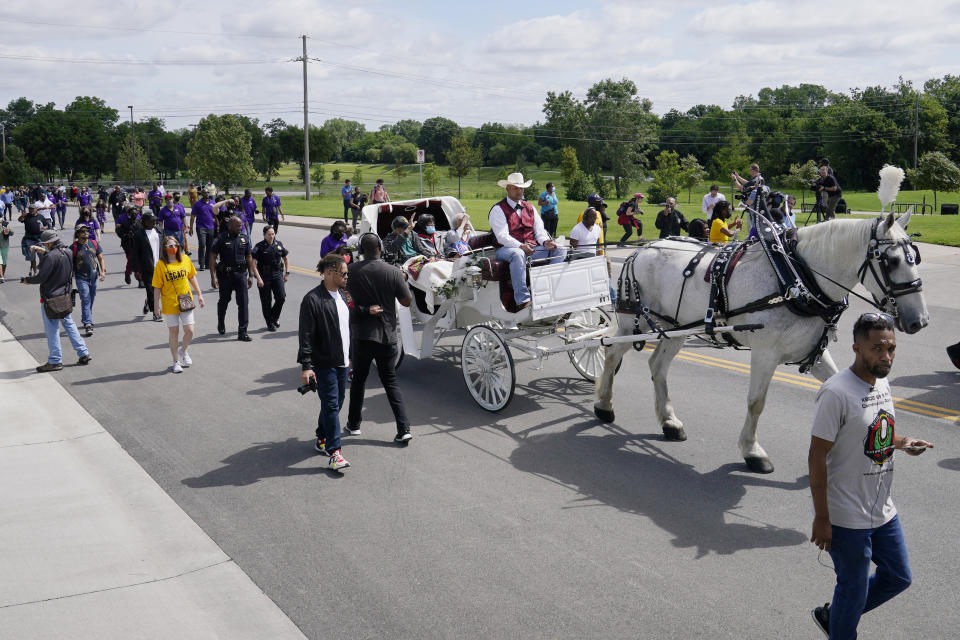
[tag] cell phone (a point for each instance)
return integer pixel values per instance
(916, 447)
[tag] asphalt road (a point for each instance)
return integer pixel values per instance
(537, 522)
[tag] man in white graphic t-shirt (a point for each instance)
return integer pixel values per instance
(851, 471)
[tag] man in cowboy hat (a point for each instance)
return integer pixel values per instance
(55, 277)
(520, 232)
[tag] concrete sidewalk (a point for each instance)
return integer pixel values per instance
(90, 546)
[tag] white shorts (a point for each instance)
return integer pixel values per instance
(176, 319)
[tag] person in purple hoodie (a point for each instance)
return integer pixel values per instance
(272, 211)
(248, 211)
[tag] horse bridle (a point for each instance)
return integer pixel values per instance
(878, 260)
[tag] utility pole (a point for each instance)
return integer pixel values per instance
(133, 146)
(306, 125)
(3, 133)
(916, 128)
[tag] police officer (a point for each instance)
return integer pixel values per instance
(273, 269)
(234, 250)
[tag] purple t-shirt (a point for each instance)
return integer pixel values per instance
(329, 244)
(203, 212)
(172, 218)
(84, 199)
(91, 224)
(249, 210)
(270, 205)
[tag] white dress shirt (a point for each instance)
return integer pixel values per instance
(498, 224)
(709, 200)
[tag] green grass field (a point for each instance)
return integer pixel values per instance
(479, 193)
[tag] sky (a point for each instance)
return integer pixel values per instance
(473, 62)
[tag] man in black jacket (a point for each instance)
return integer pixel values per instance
(376, 287)
(146, 252)
(55, 277)
(324, 353)
(670, 221)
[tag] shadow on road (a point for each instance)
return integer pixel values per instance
(262, 460)
(951, 464)
(286, 379)
(632, 473)
(125, 377)
(19, 374)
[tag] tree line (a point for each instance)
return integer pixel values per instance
(602, 142)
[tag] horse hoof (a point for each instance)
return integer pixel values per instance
(674, 433)
(604, 415)
(759, 465)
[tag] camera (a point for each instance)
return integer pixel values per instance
(307, 388)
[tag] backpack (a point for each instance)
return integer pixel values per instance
(74, 248)
(622, 209)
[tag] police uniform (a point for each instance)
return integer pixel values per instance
(232, 275)
(269, 259)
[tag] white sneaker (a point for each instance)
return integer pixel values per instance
(337, 462)
(176, 368)
(185, 358)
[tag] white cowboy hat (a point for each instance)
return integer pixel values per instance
(514, 179)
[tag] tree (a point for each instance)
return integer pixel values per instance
(801, 176)
(95, 143)
(132, 164)
(578, 186)
(545, 157)
(47, 141)
(436, 137)
(668, 175)
(568, 164)
(17, 112)
(318, 174)
(691, 173)
(409, 130)
(16, 169)
(372, 155)
(399, 170)
(935, 171)
(462, 158)
(342, 134)
(220, 151)
(357, 177)
(431, 177)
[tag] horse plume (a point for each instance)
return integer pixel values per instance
(890, 179)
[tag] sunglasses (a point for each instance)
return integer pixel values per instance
(876, 317)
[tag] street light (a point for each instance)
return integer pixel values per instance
(133, 146)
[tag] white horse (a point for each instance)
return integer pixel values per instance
(845, 251)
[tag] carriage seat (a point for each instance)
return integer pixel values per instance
(492, 269)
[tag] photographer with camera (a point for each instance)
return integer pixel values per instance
(828, 192)
(670, 221)
(324, 353)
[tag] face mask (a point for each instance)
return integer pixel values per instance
(337, 235)
(431, 229)
(171, 251)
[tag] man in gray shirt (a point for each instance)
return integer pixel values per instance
(55, 277)
(851, 471)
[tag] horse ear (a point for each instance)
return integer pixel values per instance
(888, 221)
(904, 220)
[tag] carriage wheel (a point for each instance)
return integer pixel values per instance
(487, 368)
(588, 361)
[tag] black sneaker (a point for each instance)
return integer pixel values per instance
(126, 278)
(189, 253)
(271, 327)
(821, 615)
(87, 330)
(954, 352)
(244, 337)
(403, 437)
(145, 308)
(49, 366)
(84, 359)
(221, 328)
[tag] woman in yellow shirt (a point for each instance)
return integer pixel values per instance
(173, 277)
(719, 231)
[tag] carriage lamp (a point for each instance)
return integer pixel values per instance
(474, 276)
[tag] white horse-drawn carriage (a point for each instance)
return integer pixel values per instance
(473, 293)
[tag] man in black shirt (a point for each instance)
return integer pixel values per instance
(234, 250)
(829, 191)
(375, 288)
(670, 221)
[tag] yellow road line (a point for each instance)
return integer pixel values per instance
(814, 384)
(305, 271)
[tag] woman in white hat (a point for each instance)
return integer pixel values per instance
(521, 234)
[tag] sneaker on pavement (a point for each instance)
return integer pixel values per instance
(337, 462)
(176, 367)
(404, 436)
(243, 336)
(351, 431)
(320, 446)
(185, 358)
(87, 330)
(84, 359)
(50, 366)
(821, 615)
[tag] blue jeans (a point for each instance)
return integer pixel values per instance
(88, 292)
(857, 591)
(518, 266)
(332, 388)
(52, 329)
(176, 234)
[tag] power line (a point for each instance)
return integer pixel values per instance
(146, 30)
(138, 62)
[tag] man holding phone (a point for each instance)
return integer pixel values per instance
(851, 471)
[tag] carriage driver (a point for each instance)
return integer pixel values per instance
(520, 232)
